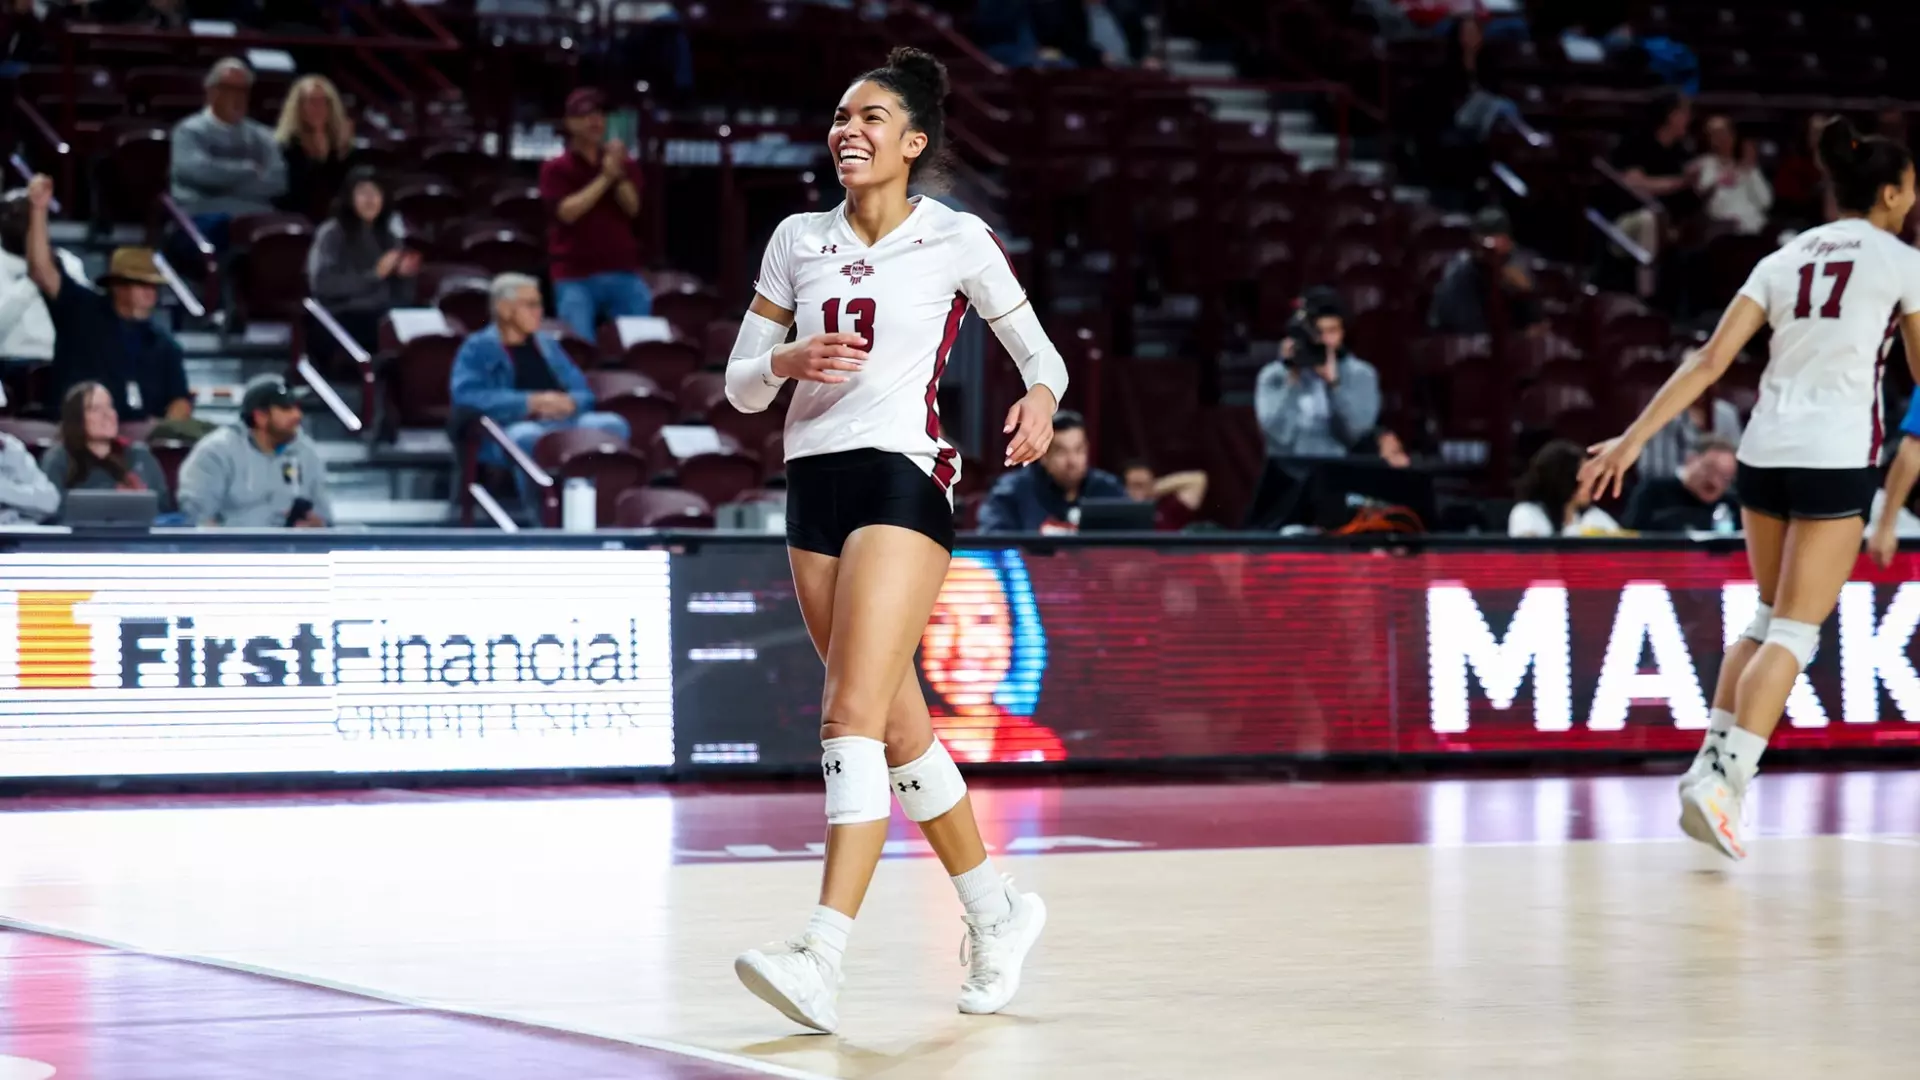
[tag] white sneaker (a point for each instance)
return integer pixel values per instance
(1703, 760)
(795, 977)
(994, 952)
(1710, 812)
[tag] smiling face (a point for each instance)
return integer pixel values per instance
(870, 140)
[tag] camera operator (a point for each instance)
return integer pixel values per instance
(1462, 300)
(1318, 399)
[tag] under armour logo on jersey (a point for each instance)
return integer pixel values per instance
(830, 249)
(855, 271)
(906, 785)
(830, 768)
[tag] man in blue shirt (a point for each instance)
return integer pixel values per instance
(1045, 496)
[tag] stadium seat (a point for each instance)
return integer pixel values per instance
(665, 362)
(662, 508)
(608, 461)
(635, 398)
(419, 381)
(270, 271)
(715, 477)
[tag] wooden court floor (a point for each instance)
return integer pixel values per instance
(1523, 928)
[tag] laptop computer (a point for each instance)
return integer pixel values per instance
(1115, 515)
(96, 509)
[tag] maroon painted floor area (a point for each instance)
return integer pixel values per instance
(101, 1014)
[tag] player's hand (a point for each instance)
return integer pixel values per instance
(822, 358)
(1030, 422)
(40, 191)
(1883, 542)
(1603, 473)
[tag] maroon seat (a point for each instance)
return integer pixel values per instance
(636, 399)
(469, 307)
(503, 251)
(170, 453)
(773, 457)
(1545, 402)
(605, 459)
(662, 508)
(133, 174)
(700, 392)
(690, 312)
(665, 362)
(419, 381)
(427, 208)
(716, 477)
(520, 206)
(752, 429)
(270, 276)
(143, 84)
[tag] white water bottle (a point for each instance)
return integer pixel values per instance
(579, 505)
(1723, 520)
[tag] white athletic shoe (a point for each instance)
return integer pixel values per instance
(1710, 812)
(795, 977)
(994, 952)
(1703, 760)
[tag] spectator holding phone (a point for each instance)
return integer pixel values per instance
(91, 455)
(358, 268)
(262, 473)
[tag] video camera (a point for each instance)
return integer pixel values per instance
(1304, 328)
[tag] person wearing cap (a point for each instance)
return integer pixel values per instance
(592, 189)
(108, 337)
(225, 163)
(26, 330)
(1461, 300)
(259, 473)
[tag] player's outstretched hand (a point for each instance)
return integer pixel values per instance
(1883, 542)
(821, 358)
(1030, 422)
(1603, 473)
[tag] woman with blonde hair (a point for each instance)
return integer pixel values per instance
(316, 138)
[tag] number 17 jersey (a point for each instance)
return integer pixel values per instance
(1834, 297)
(906, 295)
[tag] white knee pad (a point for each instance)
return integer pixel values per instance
(1757, 629)
(1799, 638)
(856, 774)
(928, 786)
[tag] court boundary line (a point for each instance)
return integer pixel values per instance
(664, 1046)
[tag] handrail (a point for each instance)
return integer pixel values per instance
(180, 291)
(318, 383)
(208, 253)
(1534, 136)
(1619, 239)
(26, 173)
(244, 39)
(1510, 180)
(501, 519)
(62, 150)
(540, 477)
(362, 361)
(1606, 170)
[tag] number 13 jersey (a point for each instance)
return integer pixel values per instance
(1834, 297)
(906, 295)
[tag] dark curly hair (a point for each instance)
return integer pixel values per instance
(1552, 477)
(919, 80)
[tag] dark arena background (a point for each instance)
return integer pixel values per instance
(368, 711)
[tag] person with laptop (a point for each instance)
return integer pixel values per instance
(261, 473)
(1046, 496)
(91, 456)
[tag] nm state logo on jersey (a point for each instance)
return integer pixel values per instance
(856, 271)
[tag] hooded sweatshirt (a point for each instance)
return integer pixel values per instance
(228, 480)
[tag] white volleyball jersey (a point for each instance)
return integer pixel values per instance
(907, 296)
(1834, 297)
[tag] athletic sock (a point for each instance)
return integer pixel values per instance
(1715, 739)
(1742, 756)
(982, 892)
(832, 929)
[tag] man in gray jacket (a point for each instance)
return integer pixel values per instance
(1318, 399)
(226, 163)
(261, 473)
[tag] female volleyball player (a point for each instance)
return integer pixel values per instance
(1808, 461)
(878, 287)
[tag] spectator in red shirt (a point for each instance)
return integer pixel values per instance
(593, 191)
(1176, 497)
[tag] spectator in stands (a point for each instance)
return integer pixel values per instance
(1549, 494)
(1392, 450)
(1045, 496)
(1728, 177)
(162, 15)
(91, 455)
(26, 330)
(225, 163)
(1465, 81)
(1656, 165)
(1698, 497)
(108, 338)
(1466, 292)
(1318, 399)
(357, 268)
(316, 138)
(593, 191)
(1799, 185)
(261, 473)
(1176, 497)
(27, 497)
(1707, 418)
(523, 379)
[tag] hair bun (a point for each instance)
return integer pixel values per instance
(921, 67)
(1840, 146)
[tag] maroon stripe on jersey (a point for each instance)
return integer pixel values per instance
(1004, 253)
(943, 469)
(1879, 372)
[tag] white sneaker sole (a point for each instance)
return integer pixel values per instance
(755, 975)
(1025, 947)
(1697, 823)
